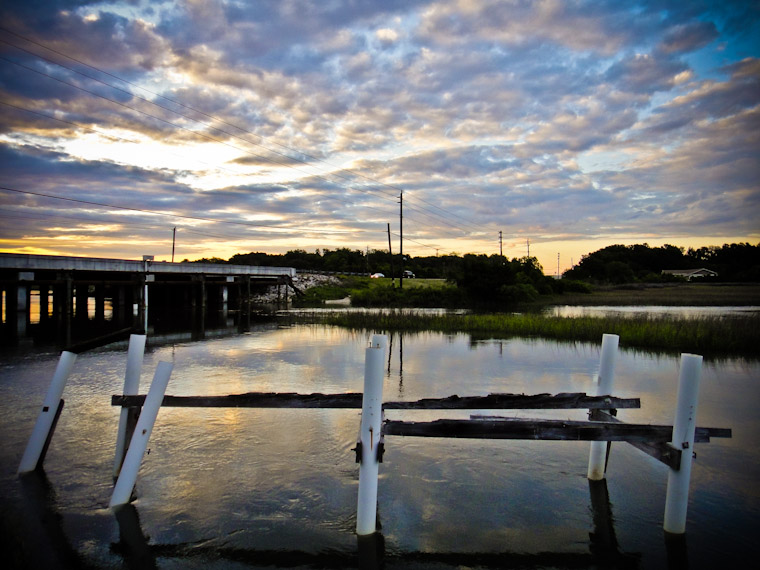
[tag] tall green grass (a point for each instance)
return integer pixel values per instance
(707, 335)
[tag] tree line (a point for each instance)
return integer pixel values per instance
(615, 264)
(736, 262)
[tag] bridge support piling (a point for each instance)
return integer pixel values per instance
(44, 303)
(63, 306)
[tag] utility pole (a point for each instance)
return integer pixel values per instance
(174, 240)
(528, 247)
(558, 266)
(390, 251)
(501, 253)
(401, 237)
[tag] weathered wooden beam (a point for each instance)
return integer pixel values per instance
(664, 452)
(104, 340)
(564, 400)
(701, 434)
(536, 429)
(353, 400)
(251, 400)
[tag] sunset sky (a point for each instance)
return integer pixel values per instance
(287, 124)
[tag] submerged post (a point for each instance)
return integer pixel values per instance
(369, 435)
(597, 458)
(41, 433)
(131, 388)
(684, 425)
(126, 481)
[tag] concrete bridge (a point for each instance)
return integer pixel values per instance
(47, 297)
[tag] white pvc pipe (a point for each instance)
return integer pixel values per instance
(47, 415)
(145, 323)
(598, 452)
(128, 476)
(684, 425)
(369, 435)
(131, 388)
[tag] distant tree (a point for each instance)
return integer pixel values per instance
(210, 260)
(732, 262)
(622, 264)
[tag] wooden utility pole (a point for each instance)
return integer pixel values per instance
(401, 237)
(390, 251)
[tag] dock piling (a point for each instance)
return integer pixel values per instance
(139, 443)
(370, 434)
(597, 460)
(684, 427)
(45, 421)
(131, 387)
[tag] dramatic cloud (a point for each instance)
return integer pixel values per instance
(276, 125)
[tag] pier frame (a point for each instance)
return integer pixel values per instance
(667, 443)
(602, 427)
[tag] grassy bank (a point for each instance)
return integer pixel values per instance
(439, 293)
(709, 336)
(675, 294)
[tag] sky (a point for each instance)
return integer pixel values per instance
(212, 127)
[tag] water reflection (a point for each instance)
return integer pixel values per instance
(260, 486)
(38, 529)
(371, 554)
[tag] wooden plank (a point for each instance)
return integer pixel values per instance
(566, 400)
(664, 452)
(701, 434)
(353, 400)
(535, 429)
(251, 400)
(104, 340)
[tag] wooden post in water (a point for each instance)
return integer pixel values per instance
(598, 454)
(122, 492)
(45, 420)
(684, 425)
(131, 387)
(369, 435)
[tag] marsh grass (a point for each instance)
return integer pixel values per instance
(739, 335)
(674, 294)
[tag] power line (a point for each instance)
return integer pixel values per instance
(173, 215)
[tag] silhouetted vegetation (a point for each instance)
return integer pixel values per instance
(505, 278)
(618, 264)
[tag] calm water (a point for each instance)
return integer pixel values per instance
(248, 488)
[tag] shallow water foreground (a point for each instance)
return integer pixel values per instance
(255, 488)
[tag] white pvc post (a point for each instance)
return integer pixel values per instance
(598, 453)
(47, 415)
(145, 323)
(126, 481)
(369, 435)
(131, 388)
(684, 425)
